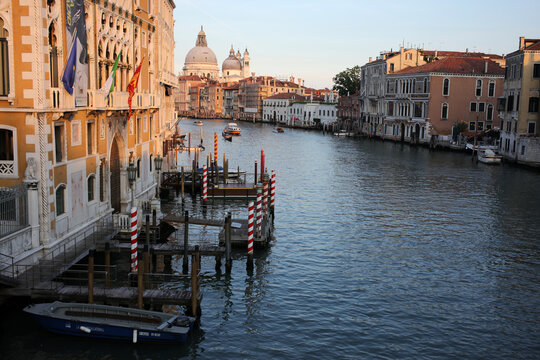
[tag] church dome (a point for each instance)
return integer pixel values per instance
(201, 53)
(232, 62)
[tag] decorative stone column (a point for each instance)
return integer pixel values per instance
(33, 209)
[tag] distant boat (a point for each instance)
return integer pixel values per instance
(343, 133)
(111, 322)
(232, 129)
(279, 130)
(226, 136)
(200, 123)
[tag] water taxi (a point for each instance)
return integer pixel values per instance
(232, 129)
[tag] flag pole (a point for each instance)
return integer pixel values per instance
(69, 52)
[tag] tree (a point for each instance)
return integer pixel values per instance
(348, 81)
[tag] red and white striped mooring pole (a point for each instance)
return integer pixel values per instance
(133, 239)
(259, 211)
(204, 184)
(272, 192)
(250, 235)
(265, 194)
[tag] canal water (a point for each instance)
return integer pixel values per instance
(382, 251)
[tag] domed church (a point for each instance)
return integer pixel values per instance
(235, 67)
(202, 61)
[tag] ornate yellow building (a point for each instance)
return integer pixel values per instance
(63, 157)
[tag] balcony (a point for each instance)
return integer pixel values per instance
(60, 100)
(168, 78)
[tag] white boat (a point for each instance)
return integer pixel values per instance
(343, 133)
(232, 129)
(489, 156)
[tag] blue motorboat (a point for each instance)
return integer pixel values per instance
(111, 322)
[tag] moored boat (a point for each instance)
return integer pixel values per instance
(232, 129)
(489, 156)
(111, 322)
(279, 130)
(200, 123)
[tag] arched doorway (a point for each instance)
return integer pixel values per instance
(115, 176)
(402, 132)
(417, 133)
(274, 116)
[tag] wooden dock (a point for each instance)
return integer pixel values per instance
(124, 296)
(175, 249)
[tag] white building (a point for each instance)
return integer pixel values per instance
(276, 108)
(299, 111)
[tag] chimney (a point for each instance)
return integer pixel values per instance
(485, 67)
(291, 79)
(521, 43)
(302, 82)
(466, 50)
(299, 81)
(436, 52)
(370, 59)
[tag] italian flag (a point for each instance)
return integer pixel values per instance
(108, 87)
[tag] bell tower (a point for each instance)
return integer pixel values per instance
(245, 64)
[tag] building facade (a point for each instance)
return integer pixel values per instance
(430, 100)
(68, 150)
(519, 106)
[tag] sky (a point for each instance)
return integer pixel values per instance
(314, 40)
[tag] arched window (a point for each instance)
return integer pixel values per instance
(425, 85)
(491, 89)
(444, 111)
(478, 87)
(91, 182)
(489, 113)
(151, 159)
(446, 87)
(60, 199)
(139, 168)
(4, 70)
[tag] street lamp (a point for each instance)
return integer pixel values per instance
(158, 161)
(132, 175)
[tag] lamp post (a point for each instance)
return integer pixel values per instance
(132, 174)
(158, 161)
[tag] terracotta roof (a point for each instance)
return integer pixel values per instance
(292, 96)
(232, 87)
(189, 78)
(456, 65)
(444, 53)
(535, 46)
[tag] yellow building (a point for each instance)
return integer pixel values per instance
(68, 153)
(520, 127)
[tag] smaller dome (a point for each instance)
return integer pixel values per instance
(231, 63)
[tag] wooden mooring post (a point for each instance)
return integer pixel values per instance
(107, 264)
(228, 257)
(182, 183)
(193, 178)
(91, 254)
(140, 287)
(195, 283)
(185, 262)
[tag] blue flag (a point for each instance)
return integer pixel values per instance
(69, 72)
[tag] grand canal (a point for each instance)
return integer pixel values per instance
(381, 251)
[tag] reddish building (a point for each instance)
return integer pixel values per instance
(429, 100)
(349, 111)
